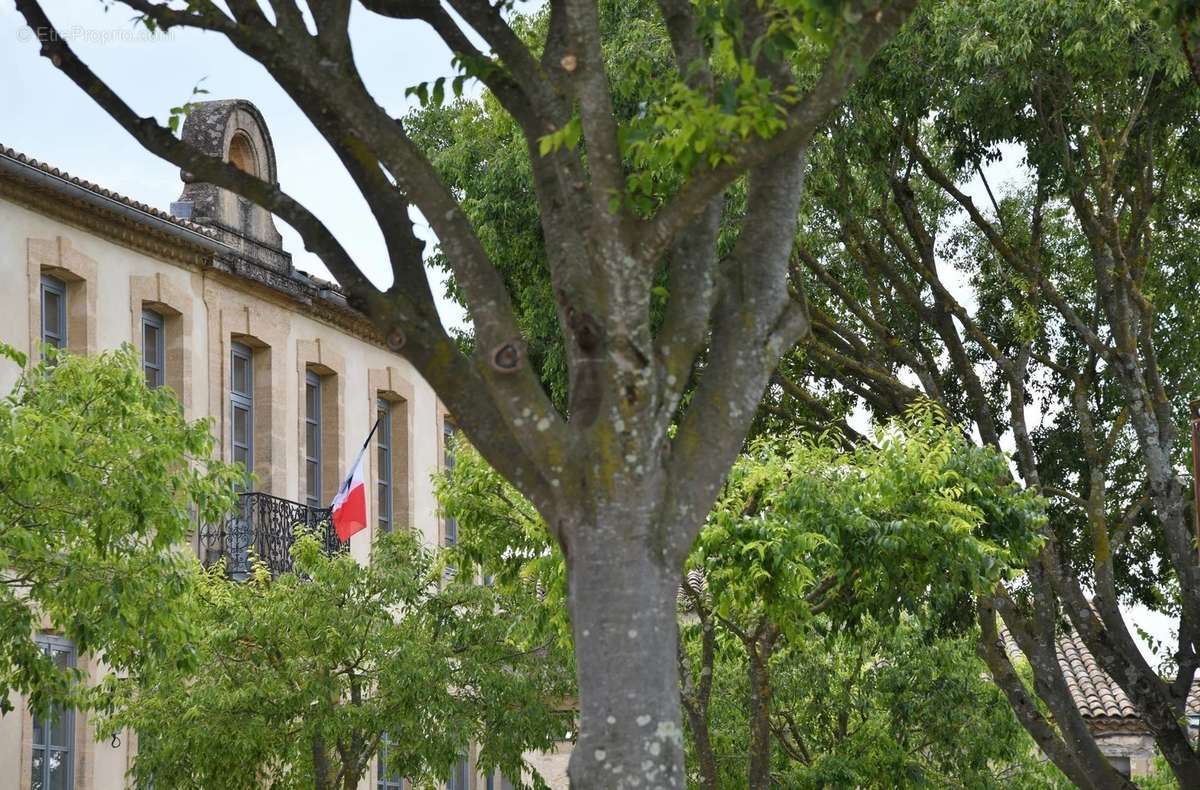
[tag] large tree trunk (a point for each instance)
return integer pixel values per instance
(623, 615)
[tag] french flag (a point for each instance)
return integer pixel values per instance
(350, 504)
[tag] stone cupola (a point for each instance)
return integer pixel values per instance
(234, 130)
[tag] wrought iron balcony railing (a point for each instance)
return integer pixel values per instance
(264, 528)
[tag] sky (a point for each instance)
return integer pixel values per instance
(45, 116)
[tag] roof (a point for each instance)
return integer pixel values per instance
(205, 243)
(1095, 693)
(28, 168)
(1097, 696)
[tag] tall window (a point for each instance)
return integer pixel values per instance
(54, 312)
(153, 348)
(53, 763)
(496, 780)
(460, 776)
(388, 779)
(451, 526)
(312, 438)
(383, 473)
(241, 402)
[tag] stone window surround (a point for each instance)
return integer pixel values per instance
(317, 357)
(263, 327)
(85, 734)
(58, 258)
(158, 293)
(391, 385)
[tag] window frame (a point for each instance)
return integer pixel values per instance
(460, 774)
(54, 285)
(383, 464)
(48, 643)
(449, 523)
(384, 780)
(241, 400)
(152, 319)
(314, 423)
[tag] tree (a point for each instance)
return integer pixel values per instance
(812, 554)
(807, 538)
(1057, 297)
(298, 680)
(901, 705)
(623, 491)
(101, 482)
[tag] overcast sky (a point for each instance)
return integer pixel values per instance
(45, 116)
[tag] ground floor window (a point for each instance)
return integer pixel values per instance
(460, 776)
(388, 779)
(52, 764)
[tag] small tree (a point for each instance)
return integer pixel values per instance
(298, 680)
(101, 481)
(625, 200)
(881, 706)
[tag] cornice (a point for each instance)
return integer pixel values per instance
(110, 227)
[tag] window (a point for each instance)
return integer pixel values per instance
(241, 402)
(460, 775)
(388, 780)
(450, 535)
(497, 781)
(383, 469)
(153, 348)
(54, 312)
(52, 764)
(312, 439)
(1121, 764)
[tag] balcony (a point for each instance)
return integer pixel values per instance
(264, 528)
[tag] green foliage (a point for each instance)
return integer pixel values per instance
(886, 707)
(920, 520)
(101, 481)
(502, 539)
(297, 678)
(865, 561)
(180, 113)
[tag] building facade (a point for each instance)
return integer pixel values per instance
(291, 377)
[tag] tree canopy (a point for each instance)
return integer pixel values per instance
(299, 681)
(1046, 312)
(101, 482)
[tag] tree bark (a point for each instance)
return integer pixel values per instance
(759, 649)
(630, 732)
(695, 694)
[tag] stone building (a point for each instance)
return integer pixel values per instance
(292, 377)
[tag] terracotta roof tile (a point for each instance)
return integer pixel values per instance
(1095, 693)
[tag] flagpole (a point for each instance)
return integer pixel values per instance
(346, 482)
(374, 428)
